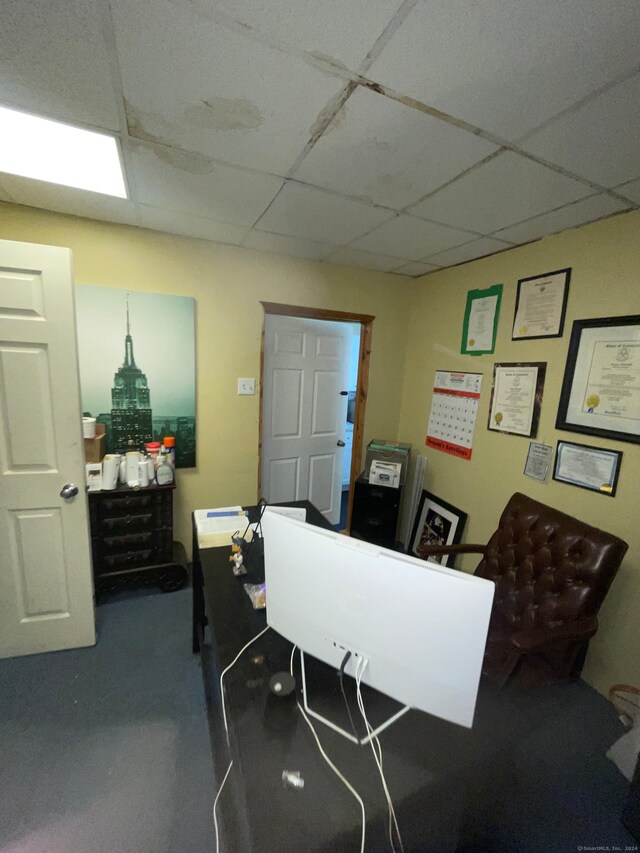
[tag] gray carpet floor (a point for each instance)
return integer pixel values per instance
(106, 749)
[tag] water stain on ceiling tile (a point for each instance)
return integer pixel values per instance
(324, 62)
(338, 119)
(224, 114)
(332, 115)
(136, 121)
(186, 161)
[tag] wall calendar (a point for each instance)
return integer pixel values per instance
(454, 409)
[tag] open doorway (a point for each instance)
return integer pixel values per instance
(352, 389)
(312, 411)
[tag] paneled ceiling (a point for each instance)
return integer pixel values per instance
(397, 136)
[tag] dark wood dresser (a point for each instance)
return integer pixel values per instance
(132, 539)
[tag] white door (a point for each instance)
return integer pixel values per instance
(304, 411)
(46, 586)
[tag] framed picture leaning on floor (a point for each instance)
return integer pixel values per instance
(437, 523)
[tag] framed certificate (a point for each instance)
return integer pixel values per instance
(481, 320)
(516, 398)
(538, 459)
(541, 304)
(601, 386)
(588, 467)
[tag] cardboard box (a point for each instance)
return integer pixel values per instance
(385, 473)
(387, 451)
(95, 448)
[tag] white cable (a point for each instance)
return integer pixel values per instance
(226, 670)
(215, 803)
(226, 728)
(328, 760)
(360, 668)
(373, 739)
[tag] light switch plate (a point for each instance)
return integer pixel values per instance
(246, 386)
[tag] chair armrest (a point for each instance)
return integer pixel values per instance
(527, 641)
(436, 550)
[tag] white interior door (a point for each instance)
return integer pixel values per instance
(304, 411)
(46, 585)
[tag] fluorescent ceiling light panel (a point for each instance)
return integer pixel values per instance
(36, 147)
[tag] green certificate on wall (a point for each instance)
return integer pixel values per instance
(481, 321)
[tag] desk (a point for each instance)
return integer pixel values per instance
(450, 786)
(268, 736)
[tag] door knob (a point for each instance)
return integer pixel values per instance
(344, 393)
(340, 443)
(69, 491)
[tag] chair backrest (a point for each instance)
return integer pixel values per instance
(547, 566)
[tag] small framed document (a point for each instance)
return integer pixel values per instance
(588, 467)
(516, 398)
(481, 320)
(538, 459)
(541, 304)
(601, 386)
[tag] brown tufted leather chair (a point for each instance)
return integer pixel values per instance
(551, 573)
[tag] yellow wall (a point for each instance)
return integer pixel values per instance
(228, 284)
(605, 282)
(417, 331)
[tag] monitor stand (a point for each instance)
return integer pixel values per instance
(336, 728)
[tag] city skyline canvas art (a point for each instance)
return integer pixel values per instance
(137, 367)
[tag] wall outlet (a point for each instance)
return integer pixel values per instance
(246, 386)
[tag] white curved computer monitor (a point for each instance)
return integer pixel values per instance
(421, 626)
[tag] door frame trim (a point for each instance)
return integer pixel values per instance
(362, 388)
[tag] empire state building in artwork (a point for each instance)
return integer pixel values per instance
(131, 418)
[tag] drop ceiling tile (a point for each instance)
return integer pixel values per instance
(506, 190)
(508, 66)
(293, 247)
(198, 86)
(368, 260)
(192, 183)
(301, 211)
(410, 238)
(69, 200)
(335, 30)
(469, 251)
(579, 213)
(381, 150)
(187, 225)
(630, 190)
(54, 61)
(600, 140)
(416, 269)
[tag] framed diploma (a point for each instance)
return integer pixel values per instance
(481, 320)
(516, 398)
(541, 304)
(601, 386)
(588, 467)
